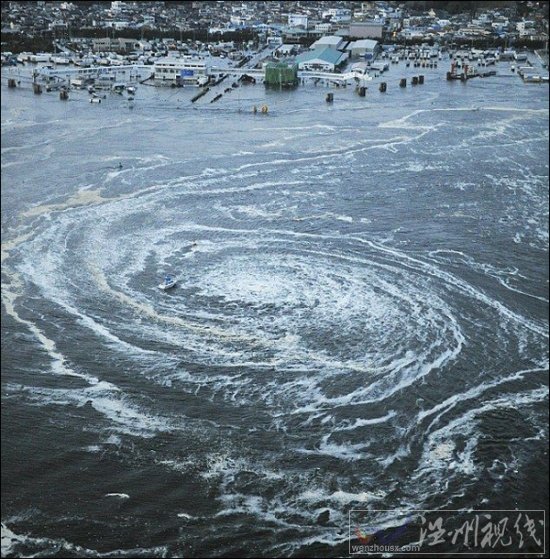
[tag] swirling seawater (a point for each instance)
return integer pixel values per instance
(360, 319)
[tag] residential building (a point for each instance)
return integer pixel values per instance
(337, 15)
(325, 27)
(297, 20)
(120, 45)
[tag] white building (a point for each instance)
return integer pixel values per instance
(187, 70)
(297, 20)
(323, 27)
(285, 50)
(337, 15)
(523, 26)
(117, 6)
(360, 67)
(363, 47)
(328, 41)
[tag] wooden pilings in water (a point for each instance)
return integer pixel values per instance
(37, 88)
(329, 98)
(11, 83)
(362, 91)
(403, 82)
(200, 94)
(63, 95)
(417, 80)
(382, 87)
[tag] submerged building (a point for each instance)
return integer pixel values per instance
(186, 70)
(280, 74)
(326, 60)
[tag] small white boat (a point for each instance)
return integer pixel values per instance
(169, 282)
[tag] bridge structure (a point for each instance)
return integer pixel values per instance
(302, 74)
(331, 77)
(140, 72)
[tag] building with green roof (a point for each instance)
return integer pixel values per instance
(325, 60)
(281, 74)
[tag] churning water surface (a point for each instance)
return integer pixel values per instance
(360, 319)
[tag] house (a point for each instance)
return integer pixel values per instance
(321, 60)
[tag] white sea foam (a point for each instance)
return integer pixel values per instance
(327, 332)
(32, 546)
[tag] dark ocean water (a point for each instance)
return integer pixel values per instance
(362, 323)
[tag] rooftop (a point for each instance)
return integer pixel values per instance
(328, 54)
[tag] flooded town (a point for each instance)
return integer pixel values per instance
(339, 44)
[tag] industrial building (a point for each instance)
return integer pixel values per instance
(334, 42)
(279, 74)
(325, 60)
(185, 71)
(364, 48)
(366, 30)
